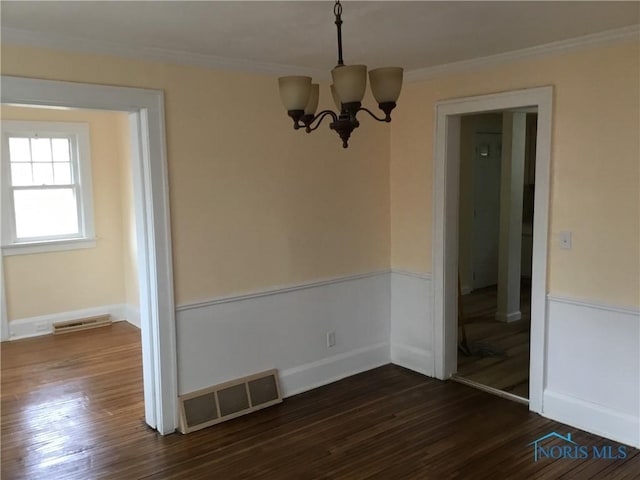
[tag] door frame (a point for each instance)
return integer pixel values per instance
(151, 205)
(445, 228)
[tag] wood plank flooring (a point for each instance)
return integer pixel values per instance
(72, 409)
(509, 369)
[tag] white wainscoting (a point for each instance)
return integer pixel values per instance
(287, 328)
(593, 368)
(43, 324)
(411, 322)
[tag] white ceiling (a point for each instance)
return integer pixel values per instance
(302, 34)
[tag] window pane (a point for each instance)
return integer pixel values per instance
(60, 147)
(41, 149)
(19, 150)
(43, 174)
(21, 174)
(45, 213)
(62, 173)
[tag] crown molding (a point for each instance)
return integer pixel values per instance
(60, 42)
(563, 46)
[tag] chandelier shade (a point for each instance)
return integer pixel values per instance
(312, 102)
(350, 82)
(386, 83)
(336, 98)
(294, 92)
(300, 97)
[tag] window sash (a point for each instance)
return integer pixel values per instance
(78, 179)
(73, 165)
(73, 155)
(45, 238)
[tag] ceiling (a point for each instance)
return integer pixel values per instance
(301, 34)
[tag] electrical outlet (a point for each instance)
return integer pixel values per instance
(565, 240)
(331, 339)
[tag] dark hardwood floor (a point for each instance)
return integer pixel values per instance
(72, 409)
(500, 351)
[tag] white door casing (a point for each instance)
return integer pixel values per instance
(151, 205)
(445, 228)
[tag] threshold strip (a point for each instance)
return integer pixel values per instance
(494, 391)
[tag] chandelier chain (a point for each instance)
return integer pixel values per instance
(337, 11)
(337, 8)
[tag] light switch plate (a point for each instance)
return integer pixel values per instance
(331, 339)
(565, 240)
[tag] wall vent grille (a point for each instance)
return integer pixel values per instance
(81, 324)
(228, 400)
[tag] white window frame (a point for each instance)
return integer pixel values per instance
(78, 133)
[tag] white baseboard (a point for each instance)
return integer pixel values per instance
(413, 358)
(508, 317)
(43, 324)
(466, 290)
(132, 315)
(328, 370)
(593, 418)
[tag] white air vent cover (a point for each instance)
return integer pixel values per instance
(228, 400)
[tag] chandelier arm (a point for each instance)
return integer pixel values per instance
(386, 119)
(319, 117)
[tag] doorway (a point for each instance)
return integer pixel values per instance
(445, 231)
(150, 184)
(495, 250)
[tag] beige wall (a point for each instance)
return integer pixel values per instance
(55, 282)
(595, 168)
(256, 205)
(253, 203)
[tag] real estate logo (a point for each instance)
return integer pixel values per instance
(568, 449)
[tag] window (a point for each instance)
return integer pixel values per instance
(46, 187)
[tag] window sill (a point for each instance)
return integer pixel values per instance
(48, 246)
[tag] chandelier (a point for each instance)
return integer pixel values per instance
(300, 96)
